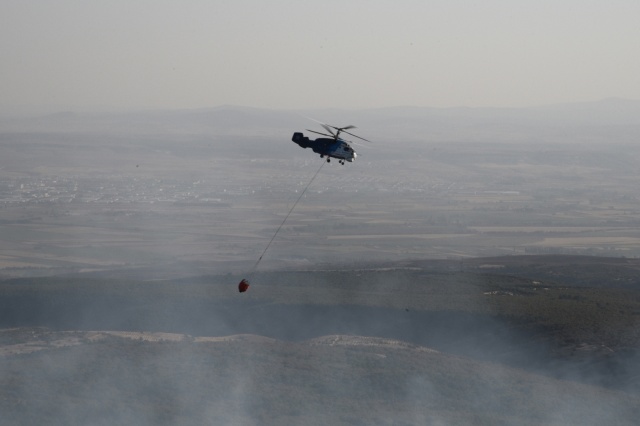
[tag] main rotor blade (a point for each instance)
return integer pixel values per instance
(350, 126)
(324, 125)
(323, 134)
(328, 129)
(312, 119)
(357, 136)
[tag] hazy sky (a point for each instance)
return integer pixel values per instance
(81, 55)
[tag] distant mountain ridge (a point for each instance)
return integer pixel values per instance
(401, 122)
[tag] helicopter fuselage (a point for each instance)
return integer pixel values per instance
(329, 147)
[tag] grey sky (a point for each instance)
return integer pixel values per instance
(82, 55)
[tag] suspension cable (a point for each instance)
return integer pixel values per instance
(253, 270)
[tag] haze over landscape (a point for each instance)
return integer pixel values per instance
(71, 55)
(477, 264)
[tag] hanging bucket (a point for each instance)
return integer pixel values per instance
(243, 286)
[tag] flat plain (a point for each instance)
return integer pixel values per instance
(94, 198)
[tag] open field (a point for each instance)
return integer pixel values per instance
(116, 202)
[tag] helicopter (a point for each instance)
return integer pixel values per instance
(333, 146)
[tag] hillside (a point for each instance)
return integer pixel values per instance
(115, 378)
(509, 340)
